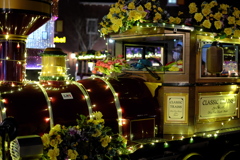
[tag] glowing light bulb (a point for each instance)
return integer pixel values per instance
(191, 140)
(47, 119)
(4, 110)
(166, 145)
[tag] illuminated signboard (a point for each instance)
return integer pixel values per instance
(59, 39)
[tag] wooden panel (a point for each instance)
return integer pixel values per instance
(142, 128)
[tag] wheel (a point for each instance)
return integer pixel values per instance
(230, 155)
(192, 156)
(8, 132)
(10, 126)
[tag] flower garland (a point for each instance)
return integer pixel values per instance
(123, 15)
(110, 65)
(88, 140)
(221, 19)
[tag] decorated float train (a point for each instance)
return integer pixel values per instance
(185, 113)
(37, 106)
(184, 109)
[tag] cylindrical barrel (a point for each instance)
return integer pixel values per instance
(28, 105)
(215, 59)
(122, 101)
(12, 60)
(18, 19)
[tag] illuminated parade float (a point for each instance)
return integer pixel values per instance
(173, 95)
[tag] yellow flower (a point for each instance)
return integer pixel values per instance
(157, 17)
(59, 139)
(117, 21)
(143, 14)
(55, 129)
(192, 8)
(112, 10)
(104, 31)
(206, 11)
(207, 6)
(45, 139)
(97, 133)
(237, 33)
(85, 157)
(117, 10)
(236, 13)
(213, 3)
(54, 143)
(224, 7)
(90, 121)
(131, 5)
(218, 24)
(105, 140)
(171, 19)
(122, 8)
(228, 31)
(177, 20)
(72, 154)
(207, 24)
(148, 6)
(53, 153)
(109, 16)
(198, 17)
(180, 13)
(96, 122)
(231, 20)
(134, 15)
(115, 27)
(140, 8)
(97, 115)
(238, 22)
(160, 9)
(217, 16)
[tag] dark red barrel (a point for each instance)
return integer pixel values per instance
(126, 103)
(68, 101)
(28, 105)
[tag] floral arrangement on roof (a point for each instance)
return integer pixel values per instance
(123, 15)
(221, 19)
(110, 65)
(88, 140)
(92, 54)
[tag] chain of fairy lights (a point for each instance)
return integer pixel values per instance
(116, 100)
(48, 103)
(86, 95)
(3, 108)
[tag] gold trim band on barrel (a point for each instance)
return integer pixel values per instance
(13, 37)
(38, 6)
